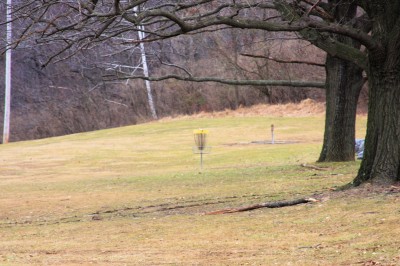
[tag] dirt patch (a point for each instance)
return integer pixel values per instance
(363, 191)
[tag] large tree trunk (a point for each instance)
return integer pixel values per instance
(343, 85)
(381, 161)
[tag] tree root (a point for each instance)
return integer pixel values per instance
(276, 204)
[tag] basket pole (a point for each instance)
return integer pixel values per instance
(201, 161)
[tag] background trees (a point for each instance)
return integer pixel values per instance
(71, 95)
(91, 22)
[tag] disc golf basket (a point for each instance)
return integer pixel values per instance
(200, 139)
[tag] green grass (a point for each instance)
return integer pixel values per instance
(135, 196)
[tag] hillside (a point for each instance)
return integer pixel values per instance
(74, 96)
(134, 195)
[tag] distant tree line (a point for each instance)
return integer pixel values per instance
(73, 95)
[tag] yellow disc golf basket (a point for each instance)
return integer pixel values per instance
(200, 139)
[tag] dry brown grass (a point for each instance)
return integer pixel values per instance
(134, 196)
(305, 108)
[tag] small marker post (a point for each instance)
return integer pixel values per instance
(272, 134)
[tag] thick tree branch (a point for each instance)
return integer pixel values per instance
(284, 61)
(363, 38)
(325, 42)
(295, 25)
(285, 83)
(276, 204)
(167, 19)
(336, 48)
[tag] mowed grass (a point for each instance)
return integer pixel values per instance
(135, 196)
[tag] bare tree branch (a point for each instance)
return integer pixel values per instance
(284, 61)
(285, 83)
(166, 19)
(276, 204)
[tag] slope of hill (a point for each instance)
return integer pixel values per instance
(134, 195)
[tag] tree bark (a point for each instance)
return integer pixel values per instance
(381, 160)
(343, 85)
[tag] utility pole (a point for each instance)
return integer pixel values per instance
(7, 97)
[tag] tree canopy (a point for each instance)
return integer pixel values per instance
(83, 24)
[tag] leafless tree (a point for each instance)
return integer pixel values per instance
(83, 24)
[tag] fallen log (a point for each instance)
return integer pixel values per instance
(276, 204)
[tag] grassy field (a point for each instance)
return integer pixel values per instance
(135, 196)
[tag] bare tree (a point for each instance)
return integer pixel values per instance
(7, 98)
(146, 74)
(83, 23)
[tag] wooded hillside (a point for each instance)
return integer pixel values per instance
(72, 95)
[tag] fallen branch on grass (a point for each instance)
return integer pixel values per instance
(276, 204)
(314, 167)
